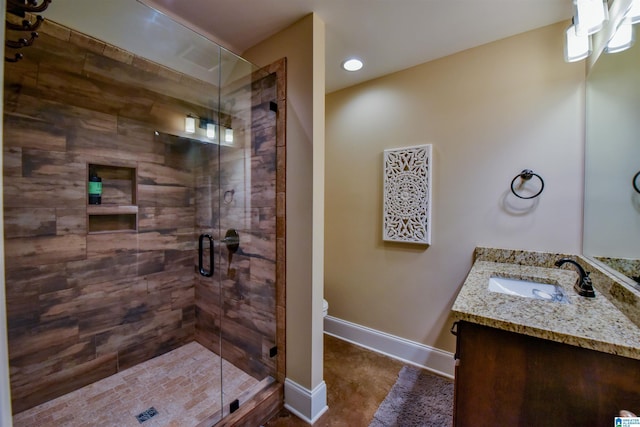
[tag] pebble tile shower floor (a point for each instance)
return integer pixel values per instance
(182, 386)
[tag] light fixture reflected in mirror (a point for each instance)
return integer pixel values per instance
(589, 16)
(228, 135)
(634, 12)
(623, 38)
(211, 130)
(190, 124)
(203, 127)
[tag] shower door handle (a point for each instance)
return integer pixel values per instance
(203, 272)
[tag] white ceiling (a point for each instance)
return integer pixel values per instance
(389, 35)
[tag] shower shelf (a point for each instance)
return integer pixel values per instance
(111, 209)
(118, 211)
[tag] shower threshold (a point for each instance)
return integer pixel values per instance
(182, 387)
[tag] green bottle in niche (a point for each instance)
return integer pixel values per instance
(95, 188)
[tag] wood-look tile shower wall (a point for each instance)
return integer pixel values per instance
(83, 306)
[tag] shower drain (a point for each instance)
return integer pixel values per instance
(144, 416)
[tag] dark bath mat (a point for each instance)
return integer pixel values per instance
(417, 399)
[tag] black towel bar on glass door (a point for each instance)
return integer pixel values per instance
(203, 271)
(526, 175)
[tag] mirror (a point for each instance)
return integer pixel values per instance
(612, 160)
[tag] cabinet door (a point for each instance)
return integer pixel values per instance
(505, 378)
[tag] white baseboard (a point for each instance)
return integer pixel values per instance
(430, 358)
(306, 404)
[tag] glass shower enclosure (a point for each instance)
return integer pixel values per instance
(140, 221)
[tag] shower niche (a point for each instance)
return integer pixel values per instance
(98, 292)
(117, 210)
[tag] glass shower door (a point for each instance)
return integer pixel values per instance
(246, 217)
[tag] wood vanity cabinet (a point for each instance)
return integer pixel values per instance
(510, 379)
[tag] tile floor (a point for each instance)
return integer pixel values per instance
(183, 386)
(357, 380)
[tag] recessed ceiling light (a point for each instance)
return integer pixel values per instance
(352, 64)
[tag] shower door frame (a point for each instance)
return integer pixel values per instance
(5, 389)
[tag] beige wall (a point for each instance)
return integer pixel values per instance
(317, 266)
(489, 112)
(303, 46)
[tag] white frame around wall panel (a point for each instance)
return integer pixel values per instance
(406, 206)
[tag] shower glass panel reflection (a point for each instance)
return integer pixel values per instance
(106, 297)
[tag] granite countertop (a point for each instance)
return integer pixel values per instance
(593, 323)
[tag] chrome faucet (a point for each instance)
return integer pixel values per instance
(583, 285)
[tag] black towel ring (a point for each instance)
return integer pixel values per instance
(526, 175)
(634, 181)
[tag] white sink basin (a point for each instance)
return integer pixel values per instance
(527, 289)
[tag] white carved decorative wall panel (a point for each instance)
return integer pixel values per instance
(407, 195)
